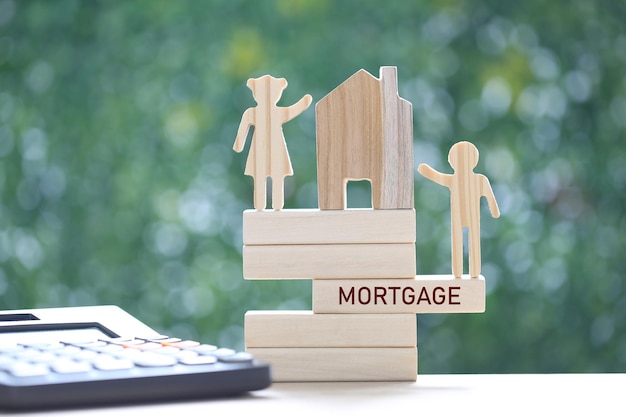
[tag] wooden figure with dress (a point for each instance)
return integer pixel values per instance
(268, 156)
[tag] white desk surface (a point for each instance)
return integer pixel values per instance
(431, 395)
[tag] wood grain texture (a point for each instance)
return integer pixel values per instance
(268, 155)
(305, 329)
(466, 189)
(340, 364)
(365, 131)
(310, 227)
(423, 294)
(397, 171)
(385, 260)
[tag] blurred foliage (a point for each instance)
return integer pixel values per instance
(119, 185)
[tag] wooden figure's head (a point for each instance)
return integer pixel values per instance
(463, 156)
(267, 88)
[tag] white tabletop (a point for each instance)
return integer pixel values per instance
(431, 395)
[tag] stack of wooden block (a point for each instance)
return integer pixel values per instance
(363, 324)
(346, 248)
(365, 293)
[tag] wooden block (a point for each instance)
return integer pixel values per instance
(385, 260)
(305, 329)
(466, 189)
(365, 131)
(310, 227)
(340, 364)
(424, 294)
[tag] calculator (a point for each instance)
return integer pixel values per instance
(82, 356)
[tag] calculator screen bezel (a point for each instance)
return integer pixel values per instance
(110, 320)
(30, 333)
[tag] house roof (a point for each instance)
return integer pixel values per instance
(361, 76)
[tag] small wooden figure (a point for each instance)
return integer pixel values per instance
(268, 156)
(466, 189)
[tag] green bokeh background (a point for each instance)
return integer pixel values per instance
(119, 185)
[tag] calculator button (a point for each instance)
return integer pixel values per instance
(107, 363)
(220, 353)
(150, 359)
(145, 346)
(185, 344)
(78, 342)
(168, 350)
(185, 354)
(85, 355)
(6, 362)
(109, 348)
(68, 351)
(27, 353)
(127, 353)
(238, 357)
(204, 349)
(132, 342)
(22, 369)
(44, 357)
(44, 346)
(175, 352)
(198, 360)
(89, 345)
(68, 366)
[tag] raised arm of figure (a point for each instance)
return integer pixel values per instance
(298, 107)
(434, 175)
